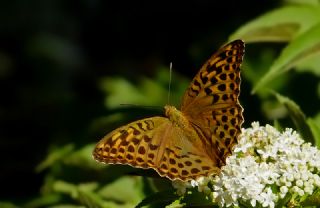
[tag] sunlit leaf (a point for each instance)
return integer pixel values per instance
(90, 199)
(121, 91)
(279, 25)
(296, 51)
(132, 193)
(310, 63)
(66, 188)
(311, 2)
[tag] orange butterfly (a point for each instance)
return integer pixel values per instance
(194, 141)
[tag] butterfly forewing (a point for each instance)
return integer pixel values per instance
(211, 101)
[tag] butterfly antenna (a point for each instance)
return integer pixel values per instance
(140, 106)
(170, 79)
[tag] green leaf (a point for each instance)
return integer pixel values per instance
(44, 201)
(82, 158)
(151, 92)
(279, 25)
(311, 2)
(65, 188)
(89, 199)
(315, 128)
(159, 199)
(176, 204)
(277, 125)
(309, 63)
(308, 44)
(121, 91)
(83, 193)
(67, 206)
(56, 155)
(196, 199)
(131, 194)
(313, 200)
(7, 205)
(284, 201)
(297, 116)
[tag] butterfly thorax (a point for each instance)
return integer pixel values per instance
(176, 117)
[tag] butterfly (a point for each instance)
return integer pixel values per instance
(193, 141)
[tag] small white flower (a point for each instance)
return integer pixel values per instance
(243, 148)
(180, 186)
(268, 198)
(299, 183)
(194, 183)
(283, 189)
(308, 190)
(288, 184)
(268, 158)
(253, 202)
(316, 180)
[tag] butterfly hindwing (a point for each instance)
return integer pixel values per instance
(132, 144)
(156, 143)
(183, 156)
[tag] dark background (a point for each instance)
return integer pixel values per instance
(53, 52)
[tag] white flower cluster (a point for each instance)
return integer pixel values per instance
(266, 166)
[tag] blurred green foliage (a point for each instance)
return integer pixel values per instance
(281, 68)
